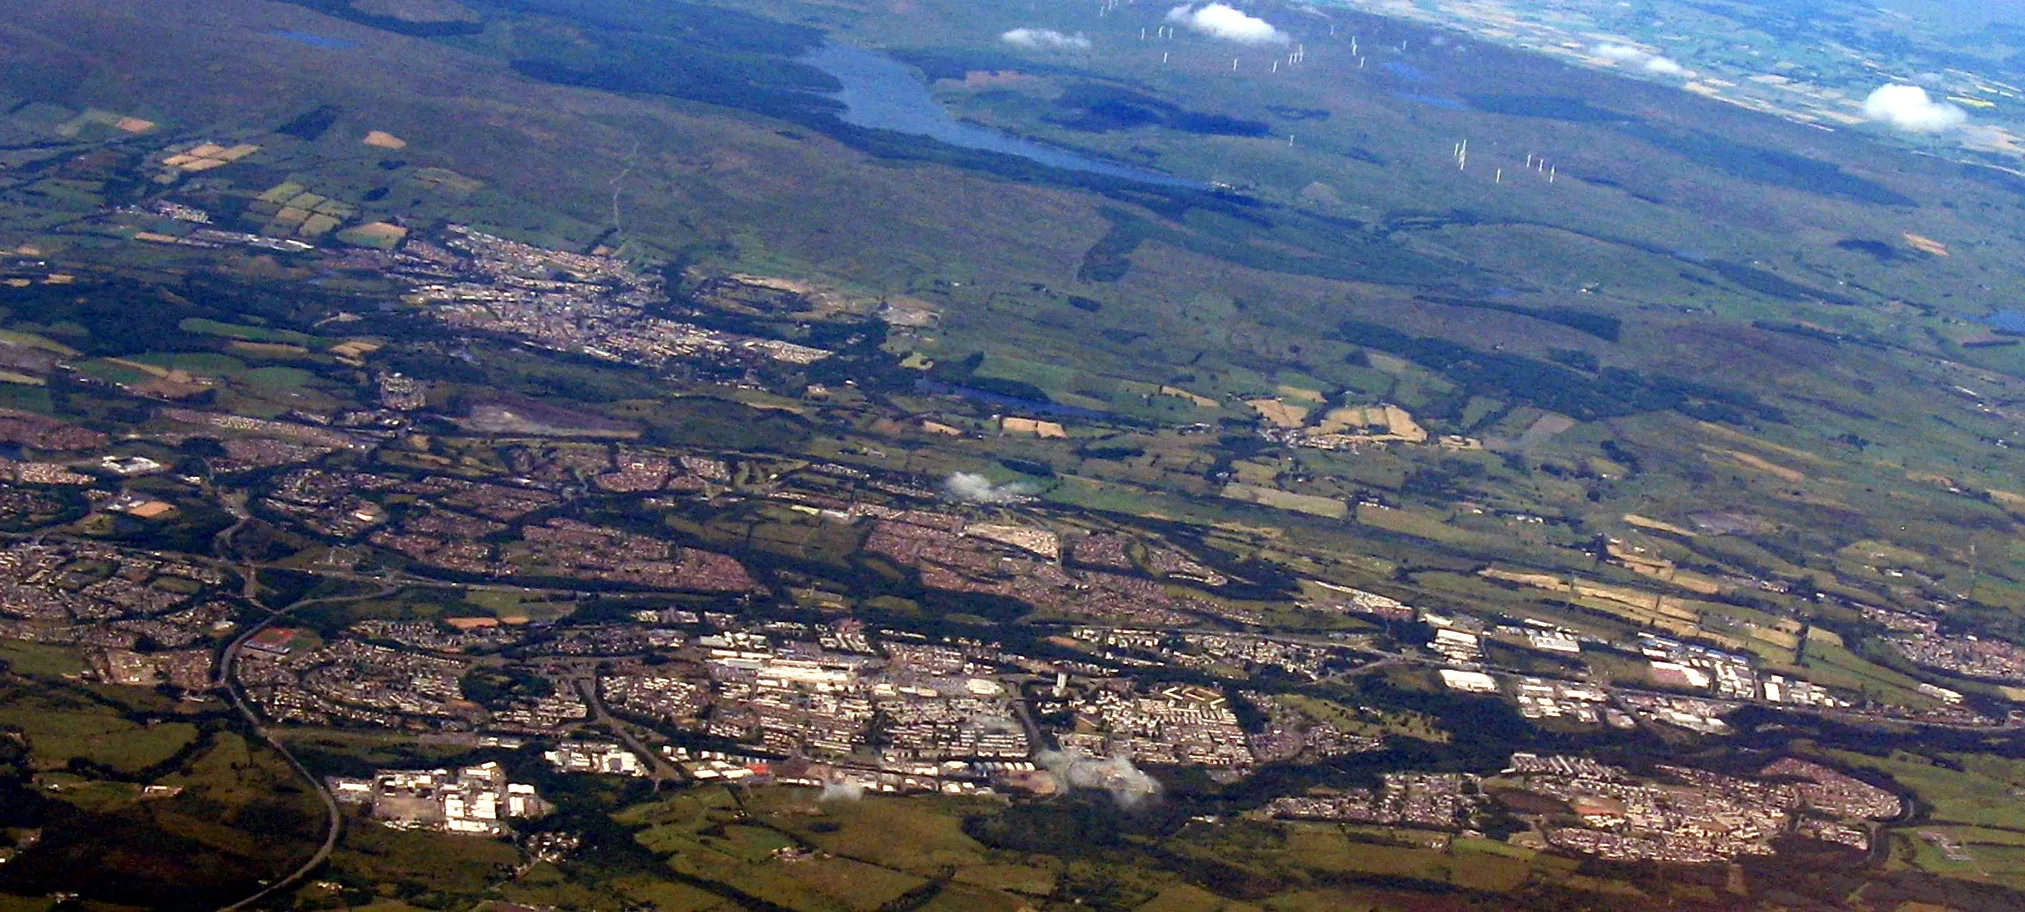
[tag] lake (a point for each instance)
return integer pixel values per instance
(881, 93)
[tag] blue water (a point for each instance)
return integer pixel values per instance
(314, 40)
(881, 93)
(2008, 320)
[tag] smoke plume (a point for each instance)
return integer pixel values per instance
(1128, 785)
(1040, 39)
(1909, 108)
(1219, 20)
(970, 487)
(842, 790)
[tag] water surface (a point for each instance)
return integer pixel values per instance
(881, 93)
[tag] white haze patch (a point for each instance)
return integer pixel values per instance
(1664, 66)
(842, 790)
(1910, 108)
(1639, 58)
(1218, 20)
(1040, 39)
(1128, 785)
(970, 487)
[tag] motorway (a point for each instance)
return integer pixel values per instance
(587, 687)
(227, 682)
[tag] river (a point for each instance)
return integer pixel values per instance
(881, 93)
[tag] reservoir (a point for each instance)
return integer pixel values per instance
(881, 93)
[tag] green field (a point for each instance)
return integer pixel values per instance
(59, 733)
(1728, 322)
(40, 660)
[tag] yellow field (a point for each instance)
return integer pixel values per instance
(1255, 473)
(374, 234)
(1755, 463)
(1645, 522)
(1287, 500)
(34, 341)
(1717, 430)
(1043, 429)
(271, 349)
(1397, 423)
(1279, 413)
(1635, 606)
(1198, 399)
(1416, 522)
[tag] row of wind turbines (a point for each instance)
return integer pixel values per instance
(1536, 165)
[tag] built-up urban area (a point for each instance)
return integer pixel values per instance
(540, 598)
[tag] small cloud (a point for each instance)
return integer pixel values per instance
(1664, 66)
(1910, 108)
(1219, 20)
(1639, 58)
(970, 487)
(1040, 39)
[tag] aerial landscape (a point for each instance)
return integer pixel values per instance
(895, 455)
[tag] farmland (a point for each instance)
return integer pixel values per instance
(630, 391)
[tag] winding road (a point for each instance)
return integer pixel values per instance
(227, 682)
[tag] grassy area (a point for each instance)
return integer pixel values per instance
(921, 836)
(61, 731)
(959, 898)
(1828, 662)
(416, 862)
(33, 340)
(866, 853)
(245, 333)
(1191, 898)
(1978, 791)
(1368, 721)
(1196, 293)
(1327, 507)
(515, 606)
(1326, 852)
(1029, 879)
(667, 895)
(41, 660)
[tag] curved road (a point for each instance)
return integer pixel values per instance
(663, 771)
(228, 682)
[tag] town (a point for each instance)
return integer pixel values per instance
(626, 648)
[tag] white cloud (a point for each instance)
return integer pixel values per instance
(970, 487)
(1219, 20)
(1909, 108)
(1640, 58)
(1041, 39)
(1664, 66)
